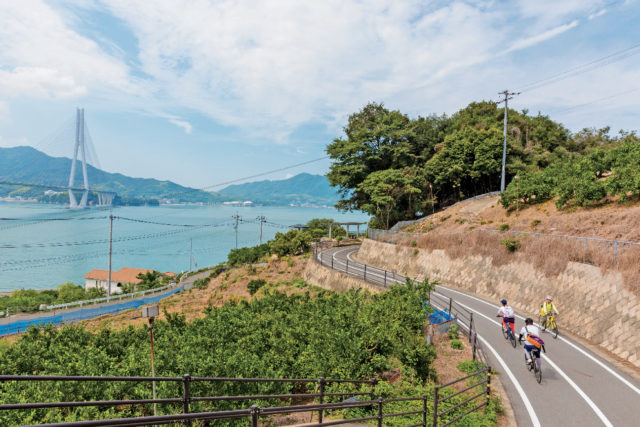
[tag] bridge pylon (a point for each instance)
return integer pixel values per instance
(79, 144)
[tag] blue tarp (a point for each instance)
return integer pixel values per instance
(438, 316)
(83, 314)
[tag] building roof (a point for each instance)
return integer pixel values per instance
(124, 275)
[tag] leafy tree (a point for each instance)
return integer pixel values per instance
(293, 242)
(319, 227)
(149, 280)
(252, 255)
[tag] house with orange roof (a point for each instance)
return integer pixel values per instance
(97, 278)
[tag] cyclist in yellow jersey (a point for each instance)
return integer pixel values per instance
(547, 307)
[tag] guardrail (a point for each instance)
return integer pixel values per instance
(390, 236)
(115, 297)
(385, 278)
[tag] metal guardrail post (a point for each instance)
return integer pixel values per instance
(332, 262)
(321, 382)
(435, 406)
(424, 411)
(385, 278)
(488, 384)
(347, 269)
(255, 413)
(379, 412)
(450, 303)
(186, 393)
(470, 326)
(365, 272)
(374, 381)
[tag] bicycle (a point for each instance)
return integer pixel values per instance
(549, 324)
(509, 334)
(535, 365)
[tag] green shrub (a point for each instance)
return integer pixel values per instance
(503, 227)
(456, 344)
(201, 283)
(414, 243)
(293, 242)
(453, 331)
(256, 284)
(470, 366)
(535, 223)
(416, 251)
(512, 244)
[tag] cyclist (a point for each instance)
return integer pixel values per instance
(547, 307)
(531, 335)
(508, 317)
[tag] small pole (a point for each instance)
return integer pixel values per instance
(186, 393)
(424, 411)
(450, 302)
(470, 326)
(262, 219)
(347, 269)
(320, 411)
(255, 413)
(110, 252)
(373, 388)
(379, 412)
(385, 278)
(488, 385)
(153, 368)
(475, 343)
(365, 272)
(435, 406)
(332, 262)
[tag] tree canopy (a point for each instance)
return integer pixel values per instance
(397, 168)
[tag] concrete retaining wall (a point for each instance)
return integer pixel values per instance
(333, 280)
(592, 305)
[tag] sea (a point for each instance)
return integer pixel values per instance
(43, 245)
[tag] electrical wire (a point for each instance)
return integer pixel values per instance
(584, 68)
(595, 101)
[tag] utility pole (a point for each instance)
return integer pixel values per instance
(235, 227)
(507, 96)
(110, 252)
(262, 220)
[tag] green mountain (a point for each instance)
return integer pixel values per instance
(302, 189)
(28, 165)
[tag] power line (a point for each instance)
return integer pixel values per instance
(595, 101)
(584, 68)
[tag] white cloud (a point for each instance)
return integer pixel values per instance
(269, 67)
(183, 124)
(597, 14)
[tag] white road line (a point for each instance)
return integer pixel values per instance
(593, 406)
(527, 403)
(598, 362)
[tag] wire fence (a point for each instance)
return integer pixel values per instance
(11, 326)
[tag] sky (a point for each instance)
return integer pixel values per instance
(202, 92)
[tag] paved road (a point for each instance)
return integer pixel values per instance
(578, 387)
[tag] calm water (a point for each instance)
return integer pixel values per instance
(51, 245)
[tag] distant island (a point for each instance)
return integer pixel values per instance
(28, 165)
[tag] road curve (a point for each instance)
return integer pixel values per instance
(578, 387)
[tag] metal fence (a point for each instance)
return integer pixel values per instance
(16, 325)
(401, 224)
(464, 318)
(615, 248)
(116, 297)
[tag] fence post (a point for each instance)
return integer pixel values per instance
(615, 250)
(379, 412)
(365, 272)
(435, 406)
(385, 278)
(475, 339)
(332, 262)
(424, 411)
(470, 325)
(488, 385)
(374, 381)
(450, 302)
(255, 412)
(347, 269)
(320, 411)
(186, 393)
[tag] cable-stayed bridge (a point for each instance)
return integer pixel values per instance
(83, 153)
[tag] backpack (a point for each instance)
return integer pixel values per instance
(533, 339)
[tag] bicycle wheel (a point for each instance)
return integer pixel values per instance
(542, 325)
(528, 365)
(538, 370)
(512, 337)
(505, 334)
(554, 329)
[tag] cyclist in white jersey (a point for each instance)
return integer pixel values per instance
(531, 334)
(508, 316)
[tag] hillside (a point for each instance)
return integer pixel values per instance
(26, 164)
(298, 190)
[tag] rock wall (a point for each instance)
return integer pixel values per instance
(333, 280)
(592, 305)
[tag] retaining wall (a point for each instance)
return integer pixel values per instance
(592, 305)
(333, 280)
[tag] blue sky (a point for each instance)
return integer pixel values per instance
(201, 92)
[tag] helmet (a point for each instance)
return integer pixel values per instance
(528, 321)
(549, 297)
(503, 302)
